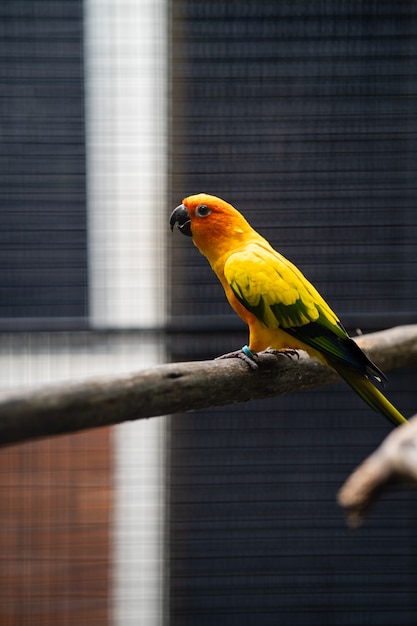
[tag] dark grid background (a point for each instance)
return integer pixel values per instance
(43, 251)
(303, 115)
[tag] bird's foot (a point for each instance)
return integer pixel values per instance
(244, 354)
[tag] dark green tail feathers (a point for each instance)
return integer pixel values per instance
(345, 356)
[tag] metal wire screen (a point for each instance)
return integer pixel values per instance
(303, 115)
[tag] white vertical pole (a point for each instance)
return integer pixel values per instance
(126, 78)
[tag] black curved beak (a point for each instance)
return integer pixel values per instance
(180, 217)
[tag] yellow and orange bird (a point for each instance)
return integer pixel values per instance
(281, 307)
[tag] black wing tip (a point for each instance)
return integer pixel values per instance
(347, 350)
(374, 373)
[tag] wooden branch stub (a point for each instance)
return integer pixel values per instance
(393, 463)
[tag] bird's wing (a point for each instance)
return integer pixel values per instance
(275, 291)
(279, 295)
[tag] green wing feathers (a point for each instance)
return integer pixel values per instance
(276, 292)
(273, 289)
(279, 295)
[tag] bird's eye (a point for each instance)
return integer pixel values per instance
(202, 210)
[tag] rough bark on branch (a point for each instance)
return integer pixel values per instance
(393, 463)
(179, 387)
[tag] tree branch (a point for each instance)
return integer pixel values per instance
(179, 387)
(393, 463)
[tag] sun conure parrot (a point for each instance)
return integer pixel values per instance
(283, 310)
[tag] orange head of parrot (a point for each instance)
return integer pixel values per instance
(210, 221)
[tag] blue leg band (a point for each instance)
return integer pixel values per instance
(248, 353)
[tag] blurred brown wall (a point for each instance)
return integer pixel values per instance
(55, 500)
